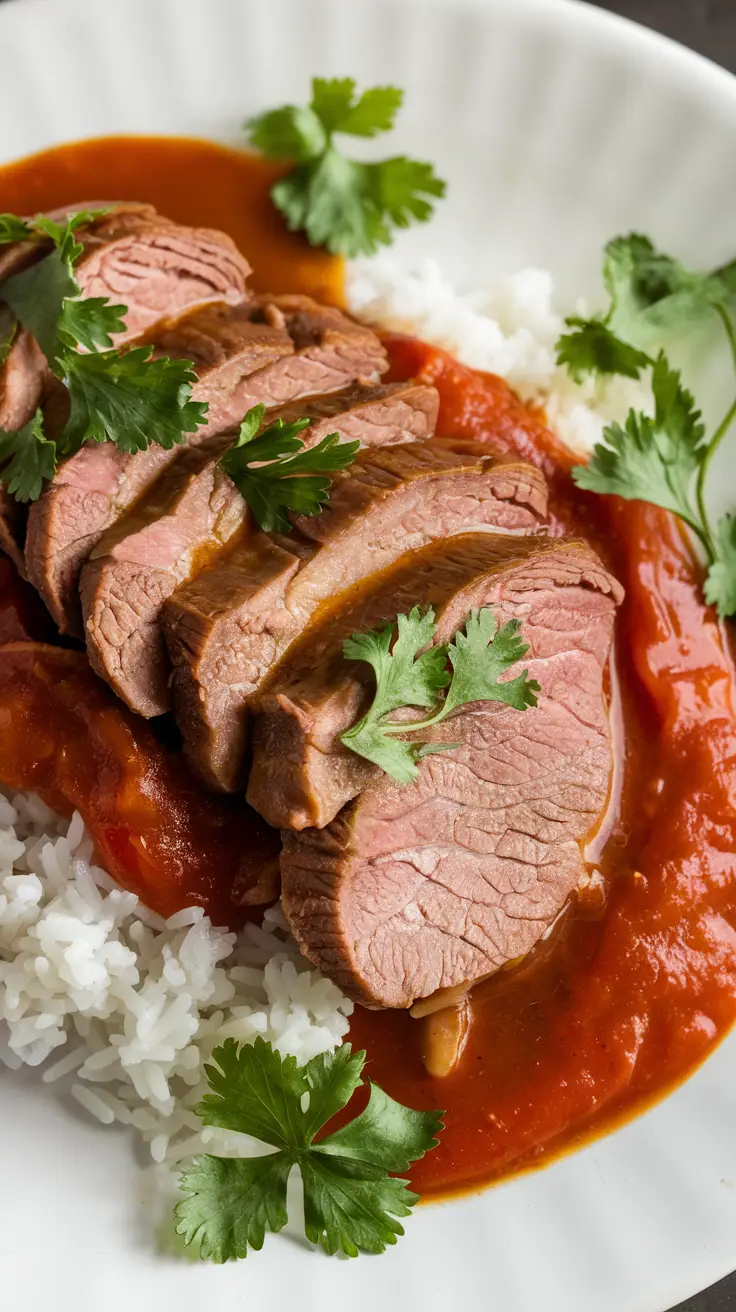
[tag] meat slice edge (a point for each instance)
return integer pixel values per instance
(414, 888)
(225, 640)
(243, 356)
(189, 516)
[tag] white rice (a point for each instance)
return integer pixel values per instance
(97, 989)
(510, 328)
(124, 1007)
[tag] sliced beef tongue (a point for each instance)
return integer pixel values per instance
(138, 258)
(22, 378)
(227, 628)
(189, 515)
(243, 356)
(157, 268)
(413, 888)
(95, 487)
(194, 508)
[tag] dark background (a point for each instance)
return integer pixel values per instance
(708, 26)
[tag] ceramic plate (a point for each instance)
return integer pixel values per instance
(557, 126)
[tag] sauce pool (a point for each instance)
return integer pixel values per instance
(622, 1002)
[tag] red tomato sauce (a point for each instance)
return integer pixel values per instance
(623, 1001)
(64, 735)
(617, 1007)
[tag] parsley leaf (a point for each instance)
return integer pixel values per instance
(26, 459)
(350, 1202)
(275, 472)
(720, 583)
(652, 459)
(404, 678)
(593, 348)
(348, 206)
(129, 399)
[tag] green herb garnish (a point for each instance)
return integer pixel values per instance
(275, 472)
(411, 673)
(663, 459)
(350, 1201)
(348, 206)
(124, 397)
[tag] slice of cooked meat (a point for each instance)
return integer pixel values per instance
(419, 887)
(194, 508)
(301, 774)
(138, 258)
(228, 627)
(168, 536)
(158, 268)
(374, 414)
(13, 518)
(330, 350)
(243, 356)
(24, 381)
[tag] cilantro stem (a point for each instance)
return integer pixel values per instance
(724, 426)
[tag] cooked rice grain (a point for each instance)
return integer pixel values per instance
(95, 986)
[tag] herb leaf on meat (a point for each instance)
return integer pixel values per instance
(414, 674)
(125, 397)
(129, 399)
(346, 205)
(350, 1201)
(27, 457)
(275, 472)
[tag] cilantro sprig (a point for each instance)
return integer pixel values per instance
(349, 206)
(275, 472)
(409, 672)
(351, 1202)
(665, 458)
(126, 398)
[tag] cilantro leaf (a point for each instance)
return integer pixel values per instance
(90, 321)
(275, 472)
(387, 1134)
(348, 206)
(594, 349)
(293, 132)
(652, 459)
(44, 297)
(479, 657)
(129, 399)
(720, 583)
(37, 295)
(27, 457)
(350, 1203)
(652, 294)
(335, 104)
(13, 228)
(345, 1213)
(232, 1202)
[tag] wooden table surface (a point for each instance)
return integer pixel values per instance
(708, 26)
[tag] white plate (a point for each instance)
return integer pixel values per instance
(557, 126)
